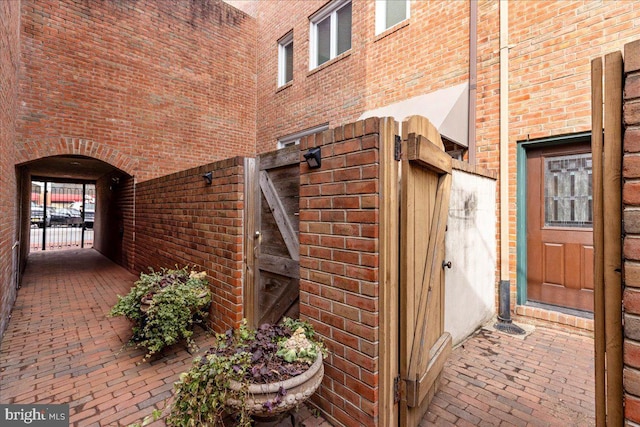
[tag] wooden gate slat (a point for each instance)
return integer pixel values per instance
(438, 354)
(282, 219)
(428, 155)
(433, 267)
(280, 265)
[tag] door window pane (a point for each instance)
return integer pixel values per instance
(568, 193)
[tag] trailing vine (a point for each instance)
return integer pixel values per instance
(163, 307)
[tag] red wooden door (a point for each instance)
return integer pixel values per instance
(559, 226)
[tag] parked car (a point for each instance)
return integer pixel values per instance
(37, 215)
(65, 216)
(89, 214)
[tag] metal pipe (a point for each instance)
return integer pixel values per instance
(473, 78)
(504, 142)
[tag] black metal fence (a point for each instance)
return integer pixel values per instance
(62, 215)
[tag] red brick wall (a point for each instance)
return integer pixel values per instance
(155, 86)
(179, 220)
(376, 71)
(339, 253)
(113, 226)
(9, 65)
(631, 222)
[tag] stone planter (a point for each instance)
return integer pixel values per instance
(298, 390)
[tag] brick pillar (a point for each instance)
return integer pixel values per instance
(631, 218)
(339, 223)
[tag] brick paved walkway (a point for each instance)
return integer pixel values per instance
(61, 348)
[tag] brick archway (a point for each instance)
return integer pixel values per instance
(38, 149)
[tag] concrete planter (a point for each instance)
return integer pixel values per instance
(298, 390)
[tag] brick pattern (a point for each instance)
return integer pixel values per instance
(339, 224)
(495, 379)
(135, 83)
(631, 246)
(181, 220)
(62, 348)
(9, 66)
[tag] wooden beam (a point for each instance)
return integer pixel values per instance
(612, 235)
(598, 241)
(251, 240)
(279, 158)
(289, 234)
(389, 272)
(438, 355)
(426, 154)
(280, 265)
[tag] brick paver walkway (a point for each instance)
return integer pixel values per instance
(60, 347)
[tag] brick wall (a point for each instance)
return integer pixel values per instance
(179, 220)
(373, 73)
(551, 47)
(9, 65)
(631, 222)
(137, 82)
(339, 253)
(113, 226)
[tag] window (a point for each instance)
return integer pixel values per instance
(294, 138)
(330, 32)
(568, 195)
(389, 13)
(285, 59)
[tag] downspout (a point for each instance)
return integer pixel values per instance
(473, 78)
(504, 310)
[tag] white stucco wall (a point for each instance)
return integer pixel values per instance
(471, 247)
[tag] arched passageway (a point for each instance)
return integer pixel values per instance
(75, 201)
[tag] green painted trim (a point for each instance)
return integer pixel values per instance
(521, 225)
(521, 202)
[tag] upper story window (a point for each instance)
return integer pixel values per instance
(330, 33)
(389, 13)
(285, 59)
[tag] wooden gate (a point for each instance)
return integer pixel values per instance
(274, 284)
(424, 346)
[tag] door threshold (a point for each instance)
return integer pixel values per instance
(564, 310)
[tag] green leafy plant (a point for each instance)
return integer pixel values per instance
(242, 356)
(163, 307)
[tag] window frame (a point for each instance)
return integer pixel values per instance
(283, 43)
(294, 138)
(330, 11)
(381, 16)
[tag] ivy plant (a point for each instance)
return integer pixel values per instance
(163, 307)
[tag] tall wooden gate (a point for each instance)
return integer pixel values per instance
(274, 290)
(424, 345)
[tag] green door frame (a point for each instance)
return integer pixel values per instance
(521, 202)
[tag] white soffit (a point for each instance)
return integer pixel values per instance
(447, 109)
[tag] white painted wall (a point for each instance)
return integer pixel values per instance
(470, 244)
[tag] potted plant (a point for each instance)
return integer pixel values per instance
(250, 373)
(163, 307)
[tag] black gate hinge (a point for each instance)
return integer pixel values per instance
(397, 148)
(396, 389)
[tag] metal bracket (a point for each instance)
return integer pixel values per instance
(396, 389)
(397, 148)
